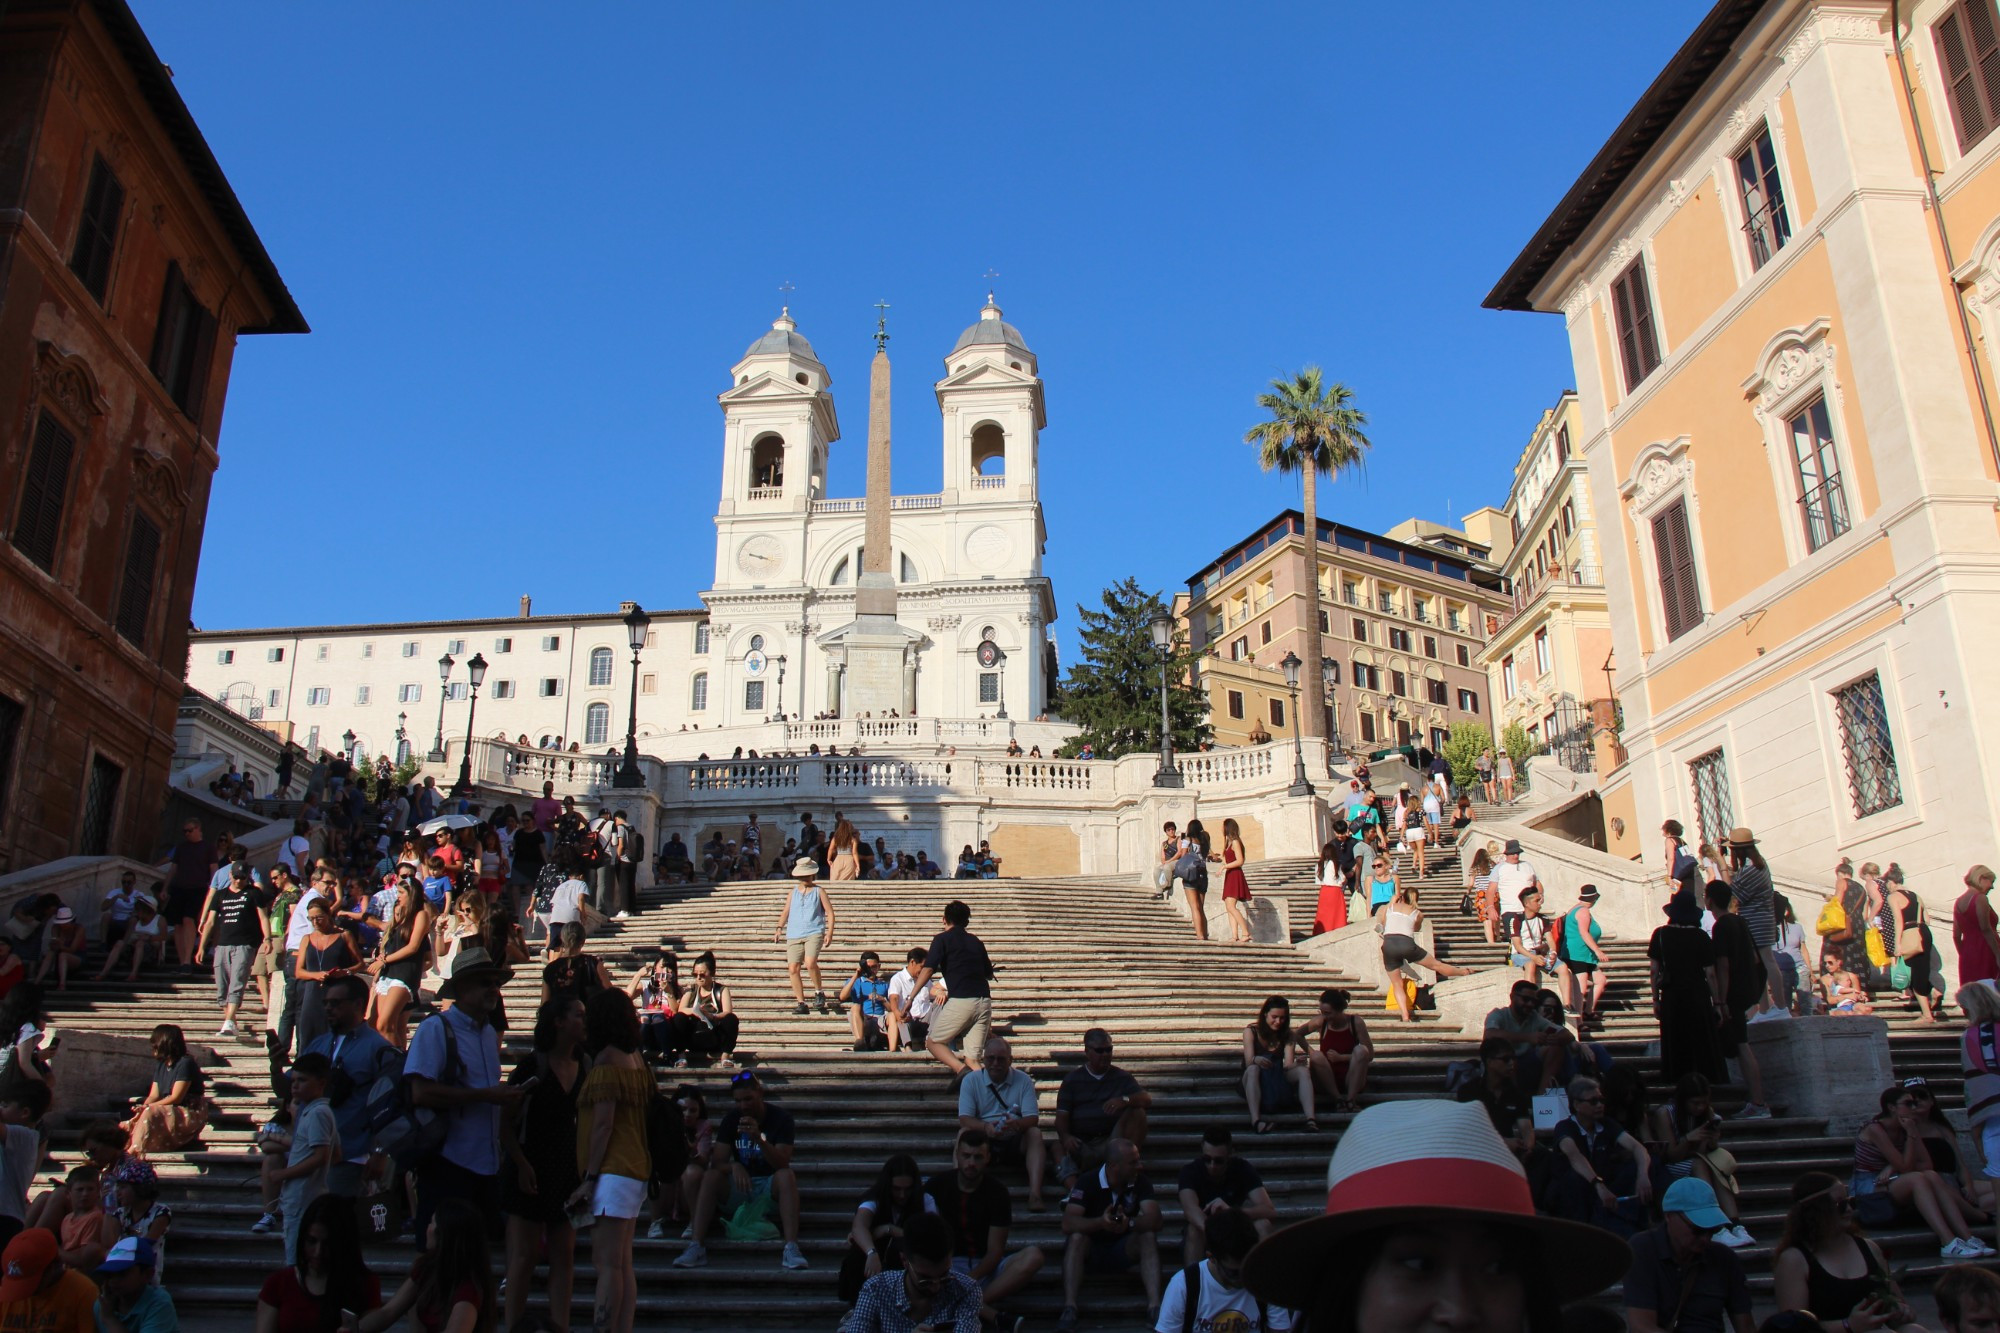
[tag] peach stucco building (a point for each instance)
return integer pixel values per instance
(1783, 334)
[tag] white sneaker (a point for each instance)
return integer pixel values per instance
(696, 1256)
(657, 1231)
(621, 916)
(1979, 1249)
(226, 1030)
(1754, 1111)
(687, 1232)
(1955, 1249)
(267, 1223)
(793, 1256)
(1734, 1237)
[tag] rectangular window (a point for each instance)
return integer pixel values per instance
(1866, 749)
(135, 585)
(753, 696)
(649, 683)
(1264, 633)
(698, 695)
(700, 637)
(1712, 808)
(1399, 639)
(1324, 624)
(503, 646)
(1468, 702)
(1420, 611)
(456, 647)
(1632, 308)
(1673, 552)
(312, 740)
(319, 696)
(1822, 499)
(503, 689)
(1277, 712)
(11, 716)
(1966, 42)
(1350, 593)
(1430, 646)
(1464, 656)
(274, 654)
(225, 656)
(361, 693)
(44, 490)
(1236, 704)
(1386, 602)
(989, 687)
(97, 230)
(1562, 444)
(1542, 662)
(409, 694)
(367, 650)
(1239, 649)
(1507, 684)
(100, 804)
(410, 648)
(1437, 692)
(1367, 677)
(1360, 628)
(1399, 684)
(1764, 219)
(1368, 728)
(183, 343)
(454, 690)
(551, 688)
(271, 699)
(551, 643)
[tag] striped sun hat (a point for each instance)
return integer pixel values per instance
(1426, 1162)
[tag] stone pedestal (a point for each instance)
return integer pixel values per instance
(1464, 1002)
(875, 679)
(1270, 914)
(97, 1071)
(1831, 1068)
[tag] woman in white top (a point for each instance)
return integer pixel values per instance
(1401, 920)
(1503, 769)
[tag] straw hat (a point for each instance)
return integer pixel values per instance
(1426, 1162)
(804, 868)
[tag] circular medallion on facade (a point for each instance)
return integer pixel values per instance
(989, 654)
(988, 546)
(760, 555)
(754, 661)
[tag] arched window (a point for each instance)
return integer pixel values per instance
(600, 666)
(909, 571)
(989, 450)
(840, 572)
(403, 751)
(767, 463)
(597, 724)
(698, 696)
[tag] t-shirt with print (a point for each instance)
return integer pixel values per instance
(1238, 1182)
(1220, 1309)
(971, 1214)
(236, 918)
(871, 992)
(741, 1135)
(67, 1307)
(1095, 1193)
(1083, 1095)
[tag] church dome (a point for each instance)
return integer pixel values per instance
(784, 339)
(990, 330)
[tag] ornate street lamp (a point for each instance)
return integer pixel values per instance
(444, 681)
(477, 666)
(1162, 626)
(1301, 785)
(349, 737)
(402, 735)
(779, 716)
(1329, 674)
(628, 774)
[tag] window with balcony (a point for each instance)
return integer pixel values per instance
(1350, 593)
(1385, 602)
(1867, 750)
(1816, 464)
(1968, 43)
(1765, 222)
(1632, 309)
(1420, 611)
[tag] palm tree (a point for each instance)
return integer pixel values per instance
(1314, 428)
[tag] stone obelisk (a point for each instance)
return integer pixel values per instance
(876, 646)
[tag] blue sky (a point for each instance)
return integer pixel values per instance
(531, 247)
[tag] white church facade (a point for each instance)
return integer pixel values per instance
(972, 601)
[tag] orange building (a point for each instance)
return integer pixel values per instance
(1779, 279)
(127, 270)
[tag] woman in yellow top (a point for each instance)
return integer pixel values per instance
(611, 1151)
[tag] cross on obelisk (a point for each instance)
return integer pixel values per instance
(881, 329)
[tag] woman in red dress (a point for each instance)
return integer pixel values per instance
(1235, 888)
(1331, 914)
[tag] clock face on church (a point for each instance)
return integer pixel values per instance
(760, 555)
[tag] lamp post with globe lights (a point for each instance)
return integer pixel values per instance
(477, 667)
(444, 687)
(1162, 628)
(1301, 785)
(1329, 673)
(628, 774)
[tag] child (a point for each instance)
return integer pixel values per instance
(87, 1231)
(139, 1211)
(274, 1141)
(1968, 1300)
(865, 996)
(314, 1146)
(1844, 992)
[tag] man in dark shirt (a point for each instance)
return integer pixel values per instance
(1215, 1182)
(979, 1212)
(1497, 1089)
(1739, 975)
(529, 856)
(1111, 1223)
(194, 861)
(1680, 1279)
(1097, 1102)
(966, 1016)
(234, 927)
(752, 1155)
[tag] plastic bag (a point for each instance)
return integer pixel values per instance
(752, 1221)
(1878, 951)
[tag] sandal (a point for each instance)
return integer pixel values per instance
(1312, 1125)
(1262, 1127)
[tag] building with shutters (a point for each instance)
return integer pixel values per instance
(127, 271)
(1781, 283)
(1403, 616)
(1549, 657)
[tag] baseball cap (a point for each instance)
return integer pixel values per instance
(22, 1264)
(1695, 1200)
(131, 1252)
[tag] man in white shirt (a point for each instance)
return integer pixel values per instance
(1002, 1100)
(911, 1007)
(1221, 1302)
(117, 908)
(570, 902)
(1513, 876)
(296, 849)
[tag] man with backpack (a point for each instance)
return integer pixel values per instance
(1210, 1295)
(628, 848)
(360, 1056)
(453, 1071)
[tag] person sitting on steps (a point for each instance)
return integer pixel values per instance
(1097, 1103)
(1277, 1072)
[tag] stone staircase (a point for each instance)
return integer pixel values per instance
(1071, 953)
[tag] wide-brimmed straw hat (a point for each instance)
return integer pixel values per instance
(1742, 837)
(1426, 1163)
(469, 963)
(804, 868)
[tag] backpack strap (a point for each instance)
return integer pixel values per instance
(1190, 1296)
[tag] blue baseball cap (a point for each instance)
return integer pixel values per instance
(131, 1252)
(1695, 1200)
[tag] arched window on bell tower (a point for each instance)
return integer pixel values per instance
(989, 456)
(767, 467)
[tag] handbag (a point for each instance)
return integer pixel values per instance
(1909, 941)
(1878, 951)
(1832, 922)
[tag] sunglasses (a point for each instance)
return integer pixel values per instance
(1098, 1050)
(743, 1079)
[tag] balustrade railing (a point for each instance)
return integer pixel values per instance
(1212, 766)
(1043, 774)
(988, 483)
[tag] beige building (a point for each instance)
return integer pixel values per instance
(1403, 619)
(1549, 657)
(1780, 279)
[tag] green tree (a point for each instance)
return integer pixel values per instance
(1113, 689)
(1462, 748)
(1314, 428)
(1520, 747)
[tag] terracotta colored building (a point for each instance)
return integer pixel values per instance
(127, 270)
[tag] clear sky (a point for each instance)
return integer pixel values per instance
(531, 240)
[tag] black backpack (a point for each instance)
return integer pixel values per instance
(666, 1142)
(1191, 1300)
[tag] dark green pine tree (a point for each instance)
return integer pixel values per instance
(1113, 689)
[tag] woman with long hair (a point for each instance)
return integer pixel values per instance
(1401, 920)
(844, 852)
(679, 1202)
(491, 875)
(1975, 1193)
(1909, 941)
(1277, 1073)
(1332, 909)
(1826, 1265)
(450, 1286)
(175, 1110)
(875, 1240)
(330, 1276)
(612, 1152)
(1689, 1132)
(399, 966)
(1891, 1157)
(538, 1135)
(656, 992)
(573, 972)
(1340, 1064)
(1235, 886)
(706, 1022)
(327, 950)
(1485, 898)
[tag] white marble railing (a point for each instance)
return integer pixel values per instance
(1203, 768)
(989, 483)
(80, 881)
